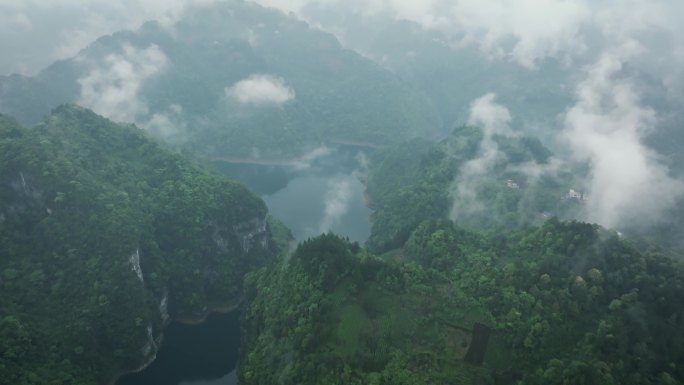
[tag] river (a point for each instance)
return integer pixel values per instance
(317, 193)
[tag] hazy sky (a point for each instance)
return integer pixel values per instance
(33, 33)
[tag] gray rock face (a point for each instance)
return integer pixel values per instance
(251, 233)
(25, 194)
(247, 234)
(135, 264)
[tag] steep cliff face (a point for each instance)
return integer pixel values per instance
(105, 236)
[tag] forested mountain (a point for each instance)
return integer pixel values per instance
(106, 235)
(565, 303)
(418, 180)
(590, 101)
(232, 79)
(559, 302)
(452, 74)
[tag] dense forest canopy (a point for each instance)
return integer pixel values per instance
(566, 303)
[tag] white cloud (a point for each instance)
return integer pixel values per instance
(533, 171)
(112, 88)
(336, 203)
(304, 162)
(627, 183)
(169, 125)
(525, 31)
(493, 119)
(537, 28)
(33, 33)
(491, 116)
(261, 90)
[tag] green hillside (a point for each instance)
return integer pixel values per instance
(565, 303)
(418, 180)
(105, 235)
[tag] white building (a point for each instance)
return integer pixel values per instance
(512, 184)
(572, 194)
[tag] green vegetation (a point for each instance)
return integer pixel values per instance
(568, 303)
(572, 302)
(100, 227)
(430, 179)
(103, 230)
(334, 314)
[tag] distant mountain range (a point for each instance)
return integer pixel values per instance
(231, 79)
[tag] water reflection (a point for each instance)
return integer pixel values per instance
(313, 197)
(194, 354)
(311, 205)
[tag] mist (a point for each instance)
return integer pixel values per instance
(35, 34)
(606, 127)
(336, 203)
(261, 90)
(615, 57)
(494, 120)
(112, 88)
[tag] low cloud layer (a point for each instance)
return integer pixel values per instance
(606, 128)
(34, 34)
(112, 88)
(306, 161)
(336, 202)
(169, 125)
(491, 116)
(261, 90)
(494, 119)
(525, 31)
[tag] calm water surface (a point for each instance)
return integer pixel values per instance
(319, 195)
(203, 354)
